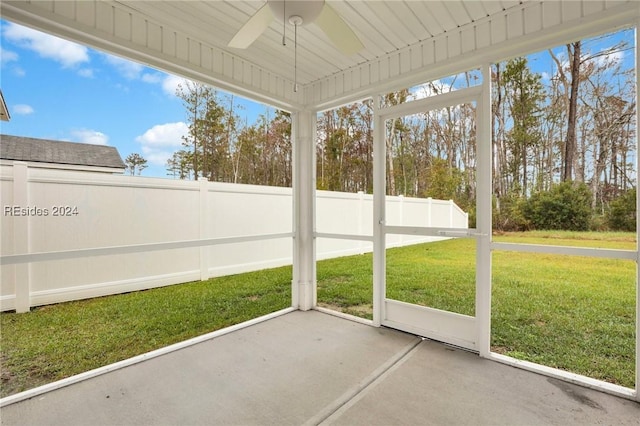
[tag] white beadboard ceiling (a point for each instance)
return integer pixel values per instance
(402, 39)
(383, 27)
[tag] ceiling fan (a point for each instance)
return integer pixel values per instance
(299, 13)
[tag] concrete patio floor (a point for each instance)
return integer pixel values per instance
(314, 368)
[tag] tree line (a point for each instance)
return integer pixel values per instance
(572, 126)
(221, 148)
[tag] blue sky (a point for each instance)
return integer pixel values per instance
(59, 90)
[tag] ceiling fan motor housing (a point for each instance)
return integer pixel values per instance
(301, 11)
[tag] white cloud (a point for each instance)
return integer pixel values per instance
(134, 71)
(155, 157)
(22, 109)
(19, 72)
(603, 59)
(426, 90)
(169, 134)
(617, 56)
(128, 69)
(170, 84)
(85, 72)
(151, 78)
(65, 52)
(161, 141)
(7, 56)
(92, 137)
(123, 88)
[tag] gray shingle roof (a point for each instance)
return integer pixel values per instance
(4, 111)
(20, 148)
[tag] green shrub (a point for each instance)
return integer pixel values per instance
(599, 223)
(622, 216)
(508, 216)
(566, 206)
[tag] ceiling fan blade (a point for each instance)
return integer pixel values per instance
(252, 29)
(338, 31)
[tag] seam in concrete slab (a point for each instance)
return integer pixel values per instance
(354, 394)
(343, 315)
(12, 399)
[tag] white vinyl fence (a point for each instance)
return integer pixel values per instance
(93, 234)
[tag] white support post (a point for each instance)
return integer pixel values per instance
(379, 193)
(303, 130)
(483, 217)
(637, 64)
(21, 236)
(204, 214)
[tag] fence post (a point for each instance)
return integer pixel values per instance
(361, 219)
(429, 212)
(450, 213)
(402, 219)
(204, 215)
(21, 236)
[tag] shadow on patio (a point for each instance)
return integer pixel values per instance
(314, 368)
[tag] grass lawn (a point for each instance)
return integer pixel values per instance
(567, 312)
(57, 341)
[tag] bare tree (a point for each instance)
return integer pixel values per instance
(135, 164)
